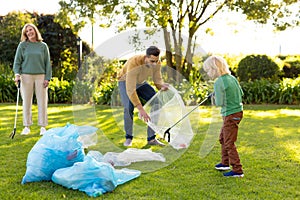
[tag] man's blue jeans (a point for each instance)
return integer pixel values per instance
(145, 92)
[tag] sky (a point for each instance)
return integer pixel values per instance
(232, 34)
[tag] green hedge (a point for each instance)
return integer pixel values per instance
(286, 91)
(255, 67)
(8, 89)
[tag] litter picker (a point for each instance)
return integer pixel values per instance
(12, 135)
(167, 132)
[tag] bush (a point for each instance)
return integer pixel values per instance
(286, 91)
(260, 91)
(254, 67)
(8, 89)
(60, 91)
(291, 69)
(289, 91)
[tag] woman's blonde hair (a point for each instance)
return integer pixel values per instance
(216, 65)
(37, 32)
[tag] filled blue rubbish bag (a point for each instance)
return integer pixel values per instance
(58, 148)
(93, 177)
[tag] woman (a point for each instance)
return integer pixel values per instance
(32, 67)
(228, 95)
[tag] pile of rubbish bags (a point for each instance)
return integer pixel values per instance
(59, 157)
(59, 154)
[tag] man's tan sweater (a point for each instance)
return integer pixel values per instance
(136, 72)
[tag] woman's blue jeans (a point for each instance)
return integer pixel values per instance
(145, 92)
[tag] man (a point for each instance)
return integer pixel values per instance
(133, 87)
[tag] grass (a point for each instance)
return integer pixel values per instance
(268, 144)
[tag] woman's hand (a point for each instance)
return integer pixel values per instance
(17, 78)
(46, 83)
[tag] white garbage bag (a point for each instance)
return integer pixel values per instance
(166, 108)
(132, 155)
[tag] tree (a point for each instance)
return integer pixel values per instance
(10, 34)
(178, 17)
(61, 41)
(62, 44)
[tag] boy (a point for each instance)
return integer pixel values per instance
(227, 94)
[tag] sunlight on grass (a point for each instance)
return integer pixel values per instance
(25, 141)
(293, 147)
(289, 112)
(275, 113)
(243, 149)
(58, 108)
(280, 132)
(268, 144)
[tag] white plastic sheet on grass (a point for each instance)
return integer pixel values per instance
(128, 156)
(165, 109)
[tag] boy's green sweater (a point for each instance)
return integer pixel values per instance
(228, 95)
(33, 58)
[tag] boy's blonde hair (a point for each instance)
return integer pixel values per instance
(216, 66)
(37, 32)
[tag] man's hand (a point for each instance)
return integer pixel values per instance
(164, 87)
(143, 114)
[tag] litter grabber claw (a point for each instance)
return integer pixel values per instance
(167, 132)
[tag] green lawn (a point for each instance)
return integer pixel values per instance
(268, 144)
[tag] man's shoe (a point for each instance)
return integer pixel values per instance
(25, 131)
(128, 142)
(155, 142)
(233, 174)
(42, 131)
(222, 167)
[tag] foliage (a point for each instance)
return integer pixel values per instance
(69, 66)
(6, 71)
(175, 18)
(233, 62)
(106, 82)
(8, 89)
(254, 67)
(96, 81)
(286, 91)
(268, 144)
(290, 91)
(10, 34)
(260, 91)
(60, 91)
(291, 68)
(62, 42)
(103, 93)
(281, 14)
(82, 92)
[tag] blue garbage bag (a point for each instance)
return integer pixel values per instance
(58, 148)
(93, 177)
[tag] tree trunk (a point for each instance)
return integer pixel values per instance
(169, 55)
(188, 60)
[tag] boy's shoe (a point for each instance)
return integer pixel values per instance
(155, 142)
(42, 131)
(222, 167)
(233, 174)
(25, 131)
(128, 142)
